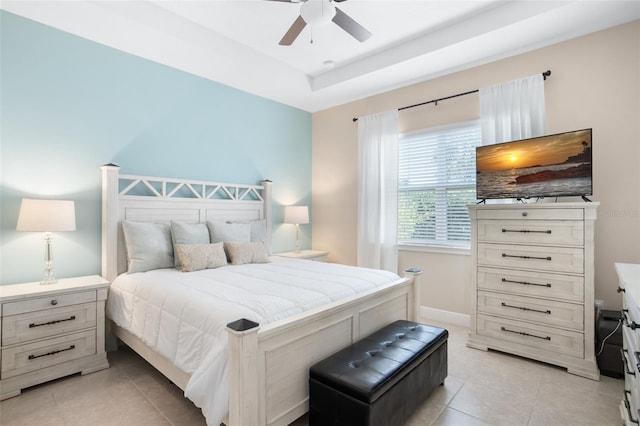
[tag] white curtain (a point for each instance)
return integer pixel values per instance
(378, 191)
(512, 110)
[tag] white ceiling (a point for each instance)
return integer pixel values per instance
(235, 42)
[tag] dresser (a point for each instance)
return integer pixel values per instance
(51, 331)
(533, 282)
(629, 286)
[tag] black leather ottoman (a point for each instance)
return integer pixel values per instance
(381, 379)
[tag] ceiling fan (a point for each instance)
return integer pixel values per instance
(321, 12)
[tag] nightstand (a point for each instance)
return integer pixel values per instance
(51, 331)
(317, 255)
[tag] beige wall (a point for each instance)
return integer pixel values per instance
(595, 83)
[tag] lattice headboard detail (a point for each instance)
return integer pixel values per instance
(157, 199)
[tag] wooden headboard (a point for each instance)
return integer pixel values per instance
(155, 199)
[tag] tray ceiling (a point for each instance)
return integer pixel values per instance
(235, 42)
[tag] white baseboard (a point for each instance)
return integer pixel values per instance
(444, 316)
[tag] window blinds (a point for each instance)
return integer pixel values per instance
(436, 181)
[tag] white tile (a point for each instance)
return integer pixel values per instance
(482, 388)
(451, 417)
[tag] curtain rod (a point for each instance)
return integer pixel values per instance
(545, 74)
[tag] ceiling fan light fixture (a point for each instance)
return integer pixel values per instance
(317, 12)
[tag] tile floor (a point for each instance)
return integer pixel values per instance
(483, 388)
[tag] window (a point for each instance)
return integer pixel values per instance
(437, 179)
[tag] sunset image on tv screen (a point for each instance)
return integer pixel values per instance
(548, 166)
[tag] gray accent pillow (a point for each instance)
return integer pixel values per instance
(188, 233)
(195, 257)
(241, 253)
(229, 232)
(258, 232)
(148, 246)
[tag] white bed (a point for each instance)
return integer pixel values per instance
(252, 375)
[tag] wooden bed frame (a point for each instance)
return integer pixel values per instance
(268, 364)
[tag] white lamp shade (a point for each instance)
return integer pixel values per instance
(46, 215)
(296, 214)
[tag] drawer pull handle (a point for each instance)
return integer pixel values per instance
(620, 290)
(71, 318)
(527, 231)
(522, 333)
(54, 302)
(628, 406)
(504, 280)
(526, 257)
(632, 325)
(524, 308)
(70, 348)
(627, 370)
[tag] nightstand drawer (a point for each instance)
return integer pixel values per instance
(38, 304)
(34, 356)
(46, 323)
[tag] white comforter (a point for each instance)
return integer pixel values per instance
(183, 316)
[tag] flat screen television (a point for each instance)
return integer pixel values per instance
(547, 166)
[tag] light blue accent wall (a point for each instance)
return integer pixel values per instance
(69, 105)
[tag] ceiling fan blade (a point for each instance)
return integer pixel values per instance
(293, 32)
(339, 1)
(345, 22)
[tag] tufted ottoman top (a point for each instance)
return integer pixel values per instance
(368, 368)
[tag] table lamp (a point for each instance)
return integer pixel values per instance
(47, 216)
(296, 215)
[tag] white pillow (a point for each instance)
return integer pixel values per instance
(258, 232)
(194, 257)
(188, 233)
(241, 253)
(148, 245)
(229, 232)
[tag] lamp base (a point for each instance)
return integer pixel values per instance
(48, 261)
(297, 250)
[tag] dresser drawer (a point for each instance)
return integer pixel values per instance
(46, 323)
(631, 333)
(629, 344)
(559, 314)
(531, 214)
(536, 336)
(631, 381)
(630, 414)
(37, 304)
(549, 232)
(552, 259)
(537, 284)
(631, 313)
(630, 369)
(631, 396)
(34, 356)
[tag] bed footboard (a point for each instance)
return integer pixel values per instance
(268, 365)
